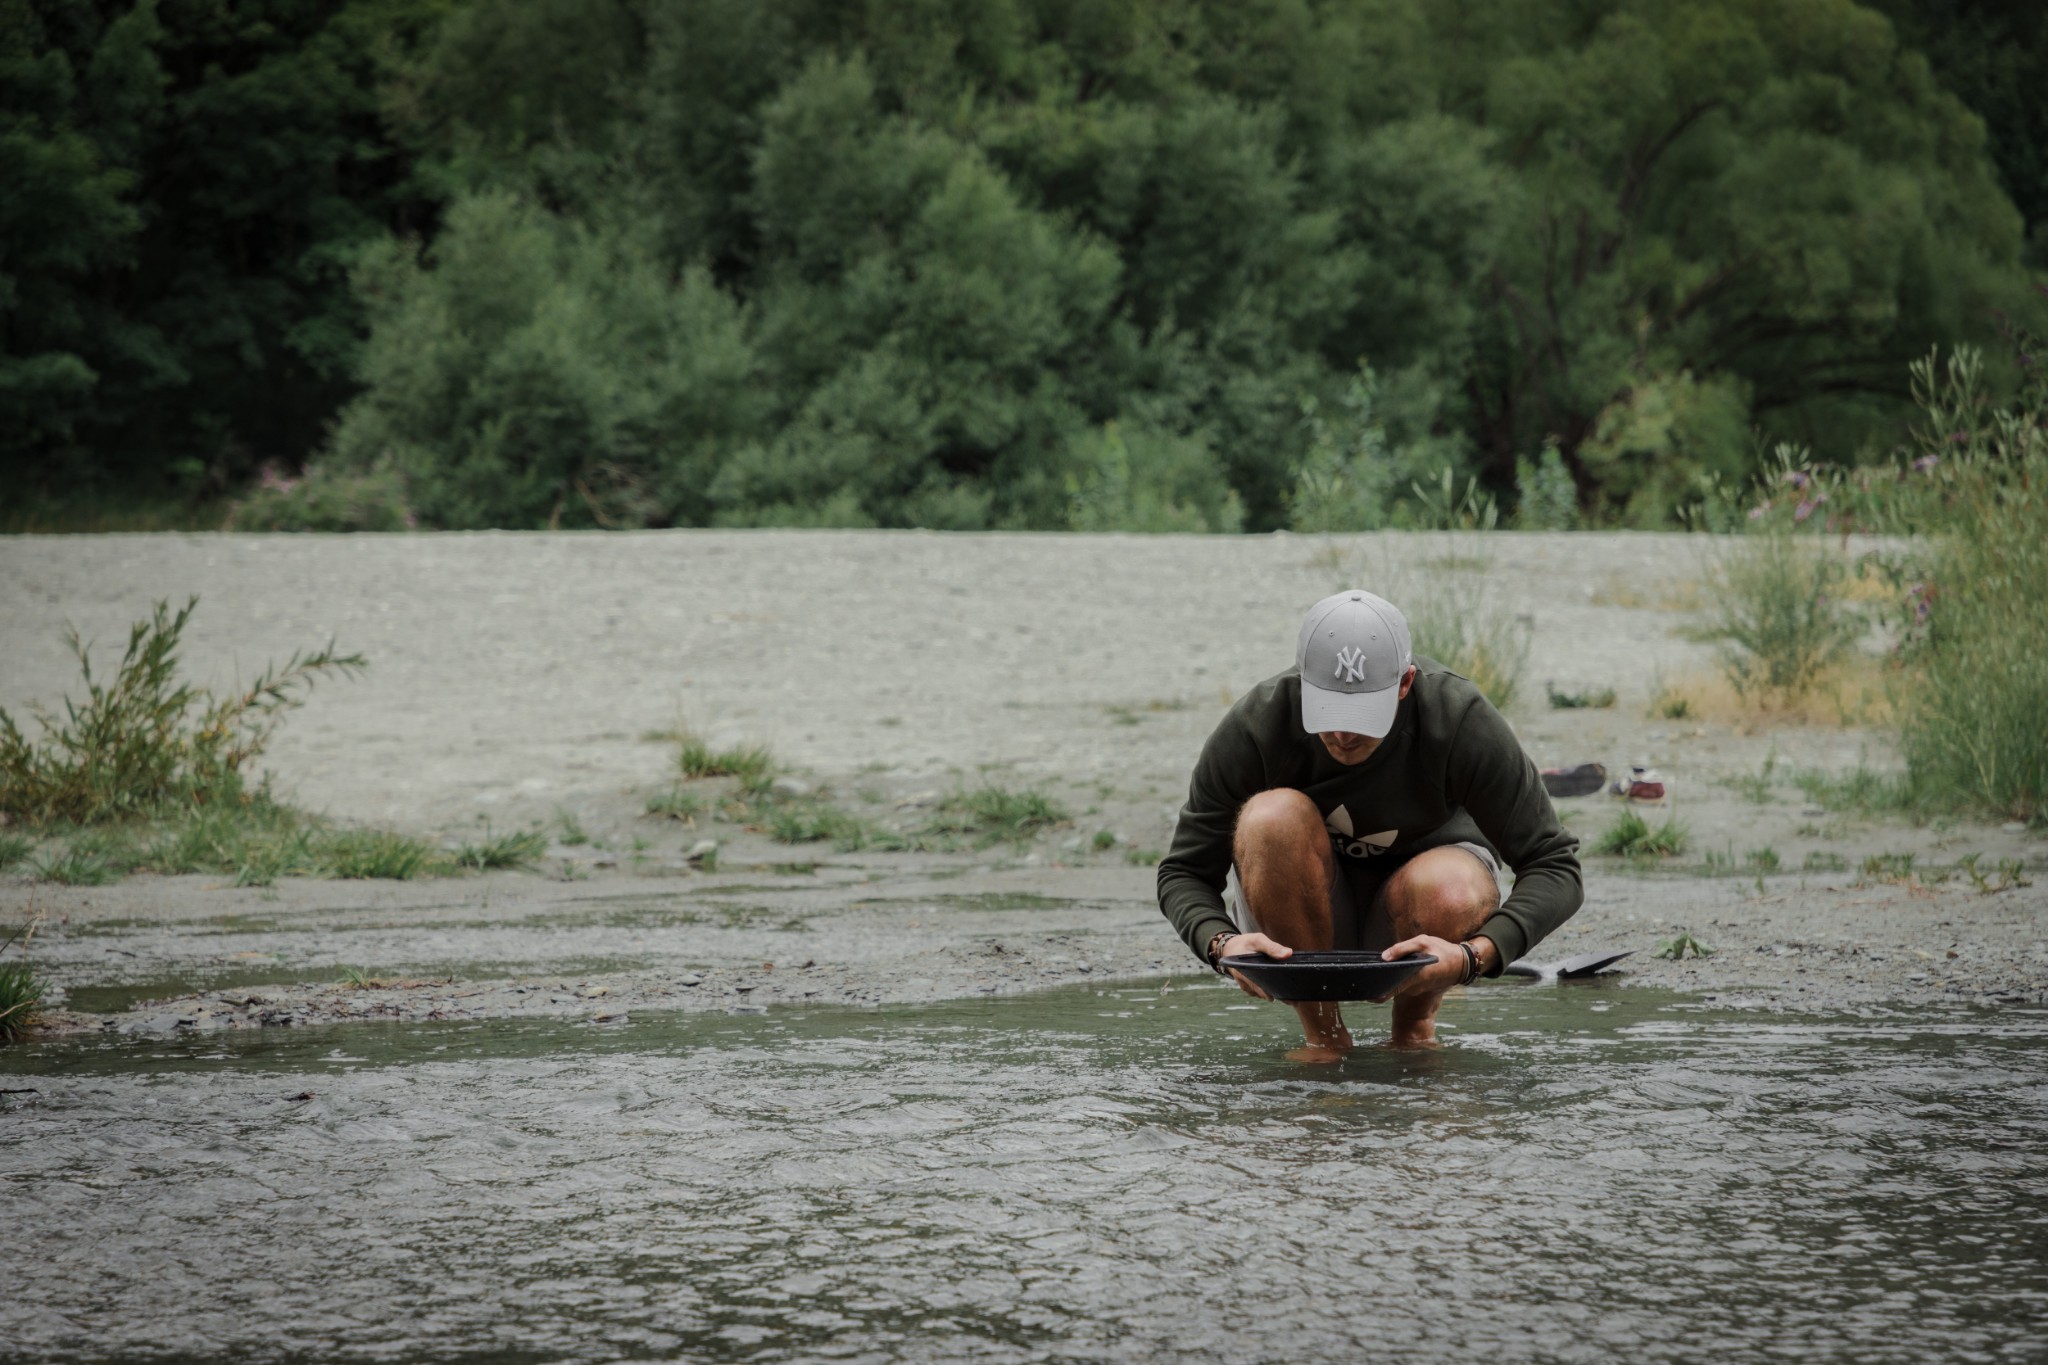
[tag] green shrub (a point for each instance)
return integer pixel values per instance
(1546, 499)
(146, 741)
(540, 374)
(1139, 479)
(14, 848)
(326, 497)
(1442, 506)
(1350, 478)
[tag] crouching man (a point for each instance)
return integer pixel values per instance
(1367, 799)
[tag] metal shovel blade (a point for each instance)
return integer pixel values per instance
(1572, 968)
(1589, 964)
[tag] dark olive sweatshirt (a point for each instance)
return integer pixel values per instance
(1450, 771)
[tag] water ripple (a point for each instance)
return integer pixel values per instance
(1087, 1175)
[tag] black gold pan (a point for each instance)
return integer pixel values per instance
(1338, 974)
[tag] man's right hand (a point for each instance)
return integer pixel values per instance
(1252, 943)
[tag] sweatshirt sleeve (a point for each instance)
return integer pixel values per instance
(1498, 785)
(1191, 876)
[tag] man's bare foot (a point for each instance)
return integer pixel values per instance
(1324, 1037)
(1414, 1023)
(1423, 1037)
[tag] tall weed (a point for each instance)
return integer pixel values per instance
(1452, 616)
(146, 740)
(1974, 700)
(1964, 511)
(1778, 608)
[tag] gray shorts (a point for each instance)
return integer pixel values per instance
(1357, 911)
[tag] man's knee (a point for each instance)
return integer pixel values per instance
(1281, 819)
(1444, 891)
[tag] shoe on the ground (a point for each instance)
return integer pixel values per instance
(1579, 780)
(1641, 784)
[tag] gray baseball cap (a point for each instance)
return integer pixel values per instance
(1352, 653)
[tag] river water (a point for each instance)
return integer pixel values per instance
(1119, 1173)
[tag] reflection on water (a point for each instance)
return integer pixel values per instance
(1113, 1174)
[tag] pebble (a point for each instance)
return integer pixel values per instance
(790, 787)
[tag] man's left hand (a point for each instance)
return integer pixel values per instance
(1447, 971)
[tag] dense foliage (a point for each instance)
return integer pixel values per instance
(1156, 264)
(183, 185)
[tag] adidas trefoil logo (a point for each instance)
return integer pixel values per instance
(1352, 845)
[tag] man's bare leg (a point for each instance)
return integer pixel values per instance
(1284, 863)
(1445, 892)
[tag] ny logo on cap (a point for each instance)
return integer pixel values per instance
(1351, 664)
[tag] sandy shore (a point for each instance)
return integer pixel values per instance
(514, 678)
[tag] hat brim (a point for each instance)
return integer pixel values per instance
(1371, 714)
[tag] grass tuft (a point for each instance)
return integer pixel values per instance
(21, 991)
(1889, 867)
(1594, 698)
(1630, 836)
(370, 853)
(15, 848)
(89, 859)
(753, 765)
(1678, 947)
(677, 804)
(1860, 790)
(1756, 788)
(991, 815)
(809, 822)
(521, 849)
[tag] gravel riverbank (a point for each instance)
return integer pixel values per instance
(515, 679)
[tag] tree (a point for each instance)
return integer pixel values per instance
(185, 186)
